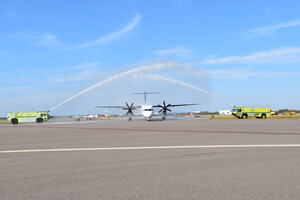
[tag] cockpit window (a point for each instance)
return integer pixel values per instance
(236, 110)
(148, 109)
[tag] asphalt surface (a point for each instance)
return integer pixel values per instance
(112, 160)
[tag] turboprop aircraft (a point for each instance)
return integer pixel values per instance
(147, 110)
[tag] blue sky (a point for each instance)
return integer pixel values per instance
(243, 53)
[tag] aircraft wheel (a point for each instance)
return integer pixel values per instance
(163, 118)
(130, 119)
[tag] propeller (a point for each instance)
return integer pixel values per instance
(129, 109)
(164, 108)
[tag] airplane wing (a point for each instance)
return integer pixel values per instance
(175, 105)
(122, 107)
(127, 107)
(97, 106)
(165, 107)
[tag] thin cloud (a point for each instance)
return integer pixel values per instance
(48, 39)
(44, 39)
(242, 74)
(82, 66)
(10, 14)
(4, 53)
(177, 51)
(267, 30)
(274, 56)
(78, 76)
(14, 88)
(80, 72)
(111, 36)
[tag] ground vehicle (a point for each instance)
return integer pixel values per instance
(243, 113)
(38, 117)
(273, 112)
(289, 112)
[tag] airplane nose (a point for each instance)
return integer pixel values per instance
(147, 114)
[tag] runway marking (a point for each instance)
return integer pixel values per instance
(150, 147)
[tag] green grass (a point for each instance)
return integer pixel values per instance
(285, 117)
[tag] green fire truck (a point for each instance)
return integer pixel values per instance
(244, 113)
(38, 117)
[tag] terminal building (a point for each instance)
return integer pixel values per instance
(225, 112)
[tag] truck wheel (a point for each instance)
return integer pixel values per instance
(14, 121)
(263, 116)
(244, 116)
(39, 120)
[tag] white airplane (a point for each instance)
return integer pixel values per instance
(147, 110)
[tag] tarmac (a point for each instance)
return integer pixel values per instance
(171, 159)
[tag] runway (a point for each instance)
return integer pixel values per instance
(172, 159)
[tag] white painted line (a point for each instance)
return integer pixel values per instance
(146, 148)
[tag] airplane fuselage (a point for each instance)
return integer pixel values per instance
(147, 111)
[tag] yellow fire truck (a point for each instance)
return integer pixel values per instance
(38, 117)
(244, 113)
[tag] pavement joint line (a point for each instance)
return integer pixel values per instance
(149, 147)
(160, 130)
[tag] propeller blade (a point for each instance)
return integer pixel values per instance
(129, 109)
(164, 108)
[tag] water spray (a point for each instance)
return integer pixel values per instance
(174, 81)
(156, 66)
